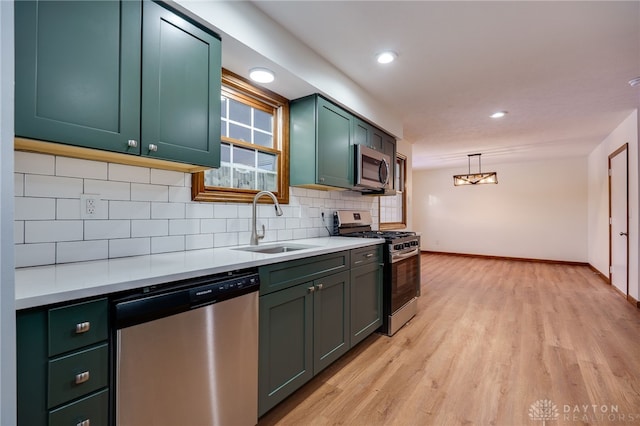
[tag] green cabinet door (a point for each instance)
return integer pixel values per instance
(361, 132)
(330, 319)
(335, 155)
(320, 145)
(377, 138)
(181, 77)
(366, 301)
(77, 69)
(286, 344)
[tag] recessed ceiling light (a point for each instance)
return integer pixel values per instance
(261, 75)
(634, 82)
(386, 57)
(498, 114)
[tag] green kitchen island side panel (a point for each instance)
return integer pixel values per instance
(321, 150)
(181, 77)
(286, 344)
(77, 67)
(32, 363)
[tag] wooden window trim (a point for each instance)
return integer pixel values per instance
(384, 226)
(243, 88)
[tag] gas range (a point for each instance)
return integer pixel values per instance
(401, 269)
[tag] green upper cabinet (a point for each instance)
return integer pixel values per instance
(361, 132)
(181, 75)
(126, 77)
(320, 144)
(78, 72)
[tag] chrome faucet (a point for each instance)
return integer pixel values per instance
(255, 237)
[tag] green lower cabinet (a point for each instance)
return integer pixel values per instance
(62, 357)
(366, 301)
(330, 320)
(286, 344)
(303, 329)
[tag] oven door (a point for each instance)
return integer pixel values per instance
(404, 277)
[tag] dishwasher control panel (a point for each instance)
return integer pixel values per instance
(227, 289)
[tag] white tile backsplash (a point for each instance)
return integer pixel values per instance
(52, 186)
(75, 167)
(47, 231)
(28, 208)
(143, 211)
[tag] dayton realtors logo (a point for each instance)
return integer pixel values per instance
(545, 410)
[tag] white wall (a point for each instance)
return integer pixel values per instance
(538, 210)
(7, 293)
(598, 216)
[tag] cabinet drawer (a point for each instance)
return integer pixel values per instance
(366, 255)
(283, 275)
(94, 409)
(78, 374)
(75, 326)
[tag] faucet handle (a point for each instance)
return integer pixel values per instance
(263, 231)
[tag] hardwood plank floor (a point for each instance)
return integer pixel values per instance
(492, 340)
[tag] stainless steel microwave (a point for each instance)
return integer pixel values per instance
(372, 169)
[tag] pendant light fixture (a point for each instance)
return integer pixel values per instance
(475, 178)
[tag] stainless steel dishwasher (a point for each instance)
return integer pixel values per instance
(187, 353)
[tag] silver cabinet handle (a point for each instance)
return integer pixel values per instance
(132, 143)
(369, 255)
(624, 234)
(153, 147)
(83, 327)
(86, 422)
(82, 377)
(319, 286)
(311, 289)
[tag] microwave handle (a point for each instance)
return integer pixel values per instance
(386, 166)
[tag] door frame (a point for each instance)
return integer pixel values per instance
(623, 149)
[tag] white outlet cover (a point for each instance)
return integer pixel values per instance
(89, 204)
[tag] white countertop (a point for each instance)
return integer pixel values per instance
(44, 285)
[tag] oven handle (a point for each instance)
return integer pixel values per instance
(395, 257)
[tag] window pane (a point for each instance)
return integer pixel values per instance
(223, 106)
(218, 177)
(267, 182)
(262, 139)
(243, 178)
(263, 121)
(239, 112)
(244, 156)
(225, 153)
(240, 133)
(267, 161)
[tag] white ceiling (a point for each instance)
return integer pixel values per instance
(561, 70)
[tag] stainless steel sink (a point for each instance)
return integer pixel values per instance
(274, 248)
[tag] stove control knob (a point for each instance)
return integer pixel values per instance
(398, 247)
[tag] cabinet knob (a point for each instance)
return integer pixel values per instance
(311, 289)
(153, 147)
(83, 327)
(132, 143)
(319, 286)
(321, 179)
(86, 422)
(82, 377)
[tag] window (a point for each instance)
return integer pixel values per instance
(393, 208)
(255, 145)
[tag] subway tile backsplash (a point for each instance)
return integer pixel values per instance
(144, 211)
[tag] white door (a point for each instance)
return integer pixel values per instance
(619, 225)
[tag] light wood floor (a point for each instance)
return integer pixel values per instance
(492, 337)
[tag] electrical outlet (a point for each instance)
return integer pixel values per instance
(89, 205)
